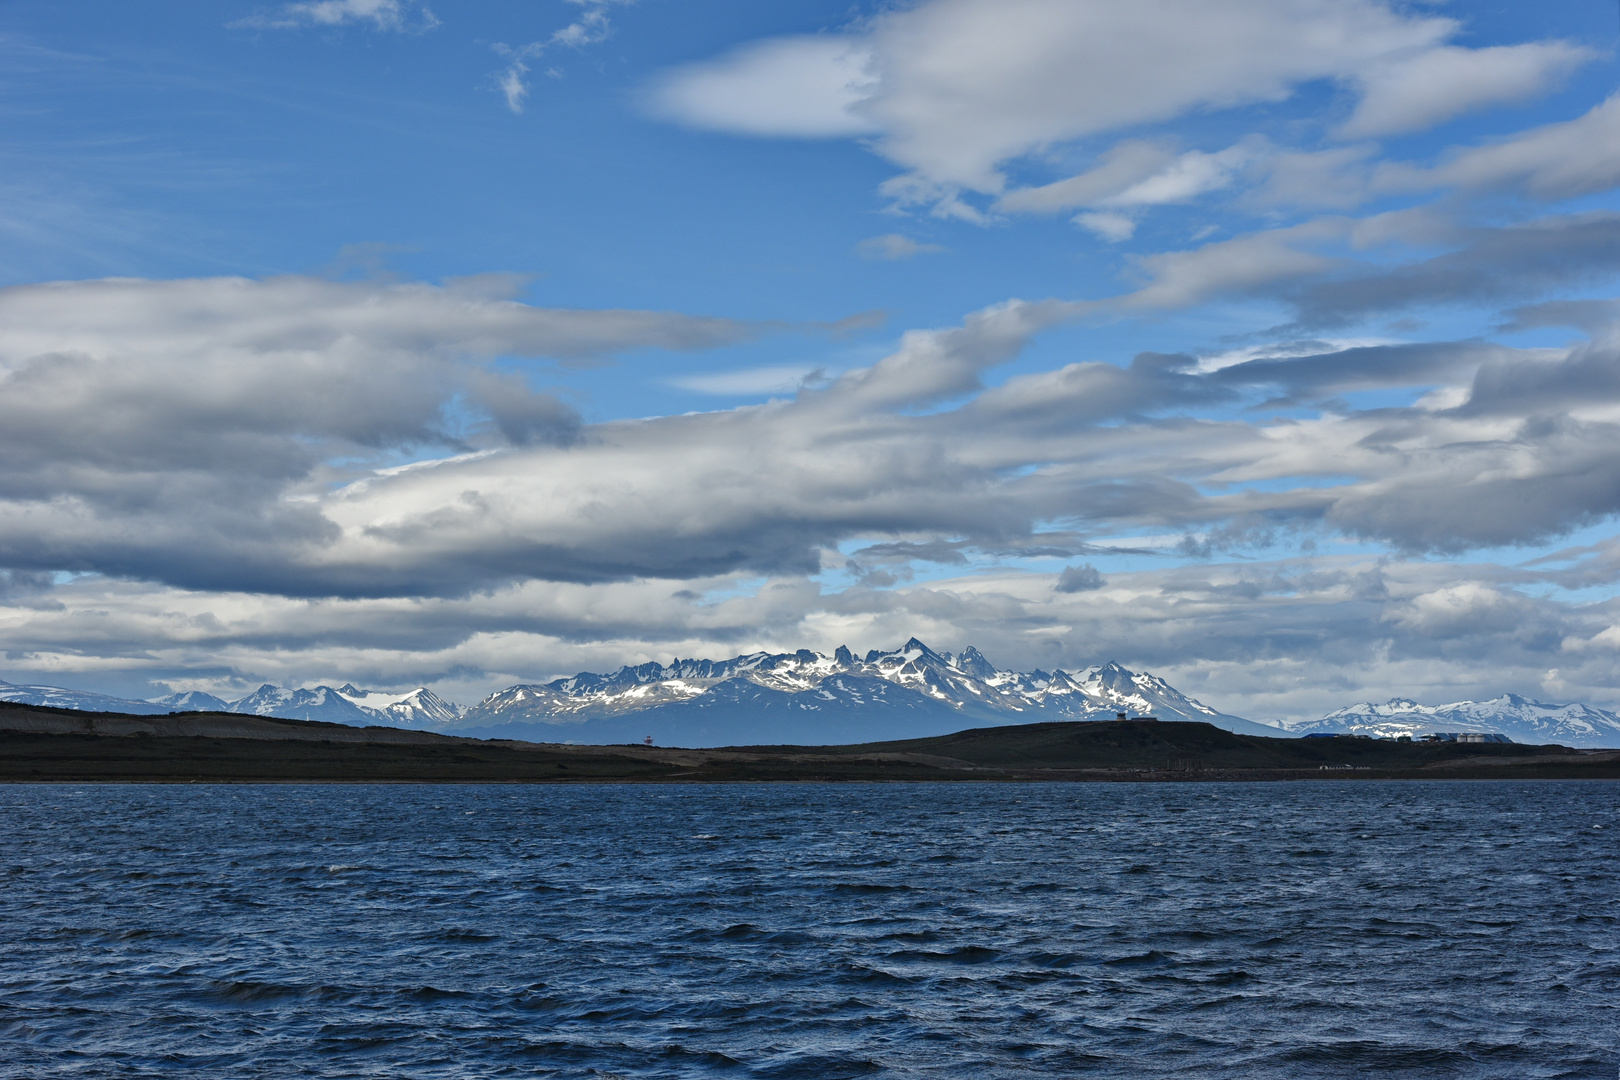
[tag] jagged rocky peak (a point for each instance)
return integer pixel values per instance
(912, 645)
(972, 662)
(1112, 675)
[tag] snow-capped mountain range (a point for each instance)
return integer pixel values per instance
(420, 708)
(814, 698)
(799, 697)
(1520, 719)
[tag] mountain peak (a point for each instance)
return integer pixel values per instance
(972, 662)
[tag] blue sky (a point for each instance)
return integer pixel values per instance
(735, 325)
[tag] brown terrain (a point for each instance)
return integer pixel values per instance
(46, 744)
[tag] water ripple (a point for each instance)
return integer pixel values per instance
(1453, 930)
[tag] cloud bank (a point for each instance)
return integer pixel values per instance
(228, 433)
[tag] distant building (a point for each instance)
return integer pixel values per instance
(1467, 737)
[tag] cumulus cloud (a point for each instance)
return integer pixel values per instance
(953, 90)
(1083, 578)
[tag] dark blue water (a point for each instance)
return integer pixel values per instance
(940, 930)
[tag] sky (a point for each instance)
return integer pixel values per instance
(1272, 346)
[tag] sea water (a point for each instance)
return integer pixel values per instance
(1324, 929)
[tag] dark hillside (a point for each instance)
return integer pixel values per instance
(1150, 744)
(40, 744)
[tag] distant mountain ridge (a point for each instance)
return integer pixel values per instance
(420, 709)
(1520, 719)
(800, 697)
(812, 698)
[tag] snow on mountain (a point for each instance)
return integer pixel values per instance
(419, 708)
(1520, 719)
(810, 697)
(58, 697)
(192, 701)
(321, 703)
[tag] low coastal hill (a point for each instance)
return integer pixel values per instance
(43, 744)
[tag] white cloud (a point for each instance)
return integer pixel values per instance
(749, 382)
(894, 246)
(953, 89)
(1112, 227)
(1416, 92)
(1121, 166)
(1180, 279)
(398, 15)
(1133, 175)
(188, 433)
(1178, 180)
(805, 87)
(1268, 639)
(1190, 175)
(209, 405)
(1555, 161)
(591, 27)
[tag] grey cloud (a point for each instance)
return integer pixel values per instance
(1493, 266)
(522, 415)
(1515, 385)
(1555, 161)
(1083, 578)
(1309, 266)
(1414, 92)
(1091, 393)
(201, 467)
(935, 365)
(1592, 316)
(1300, 378)
(1292, 637)
(179, 429)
